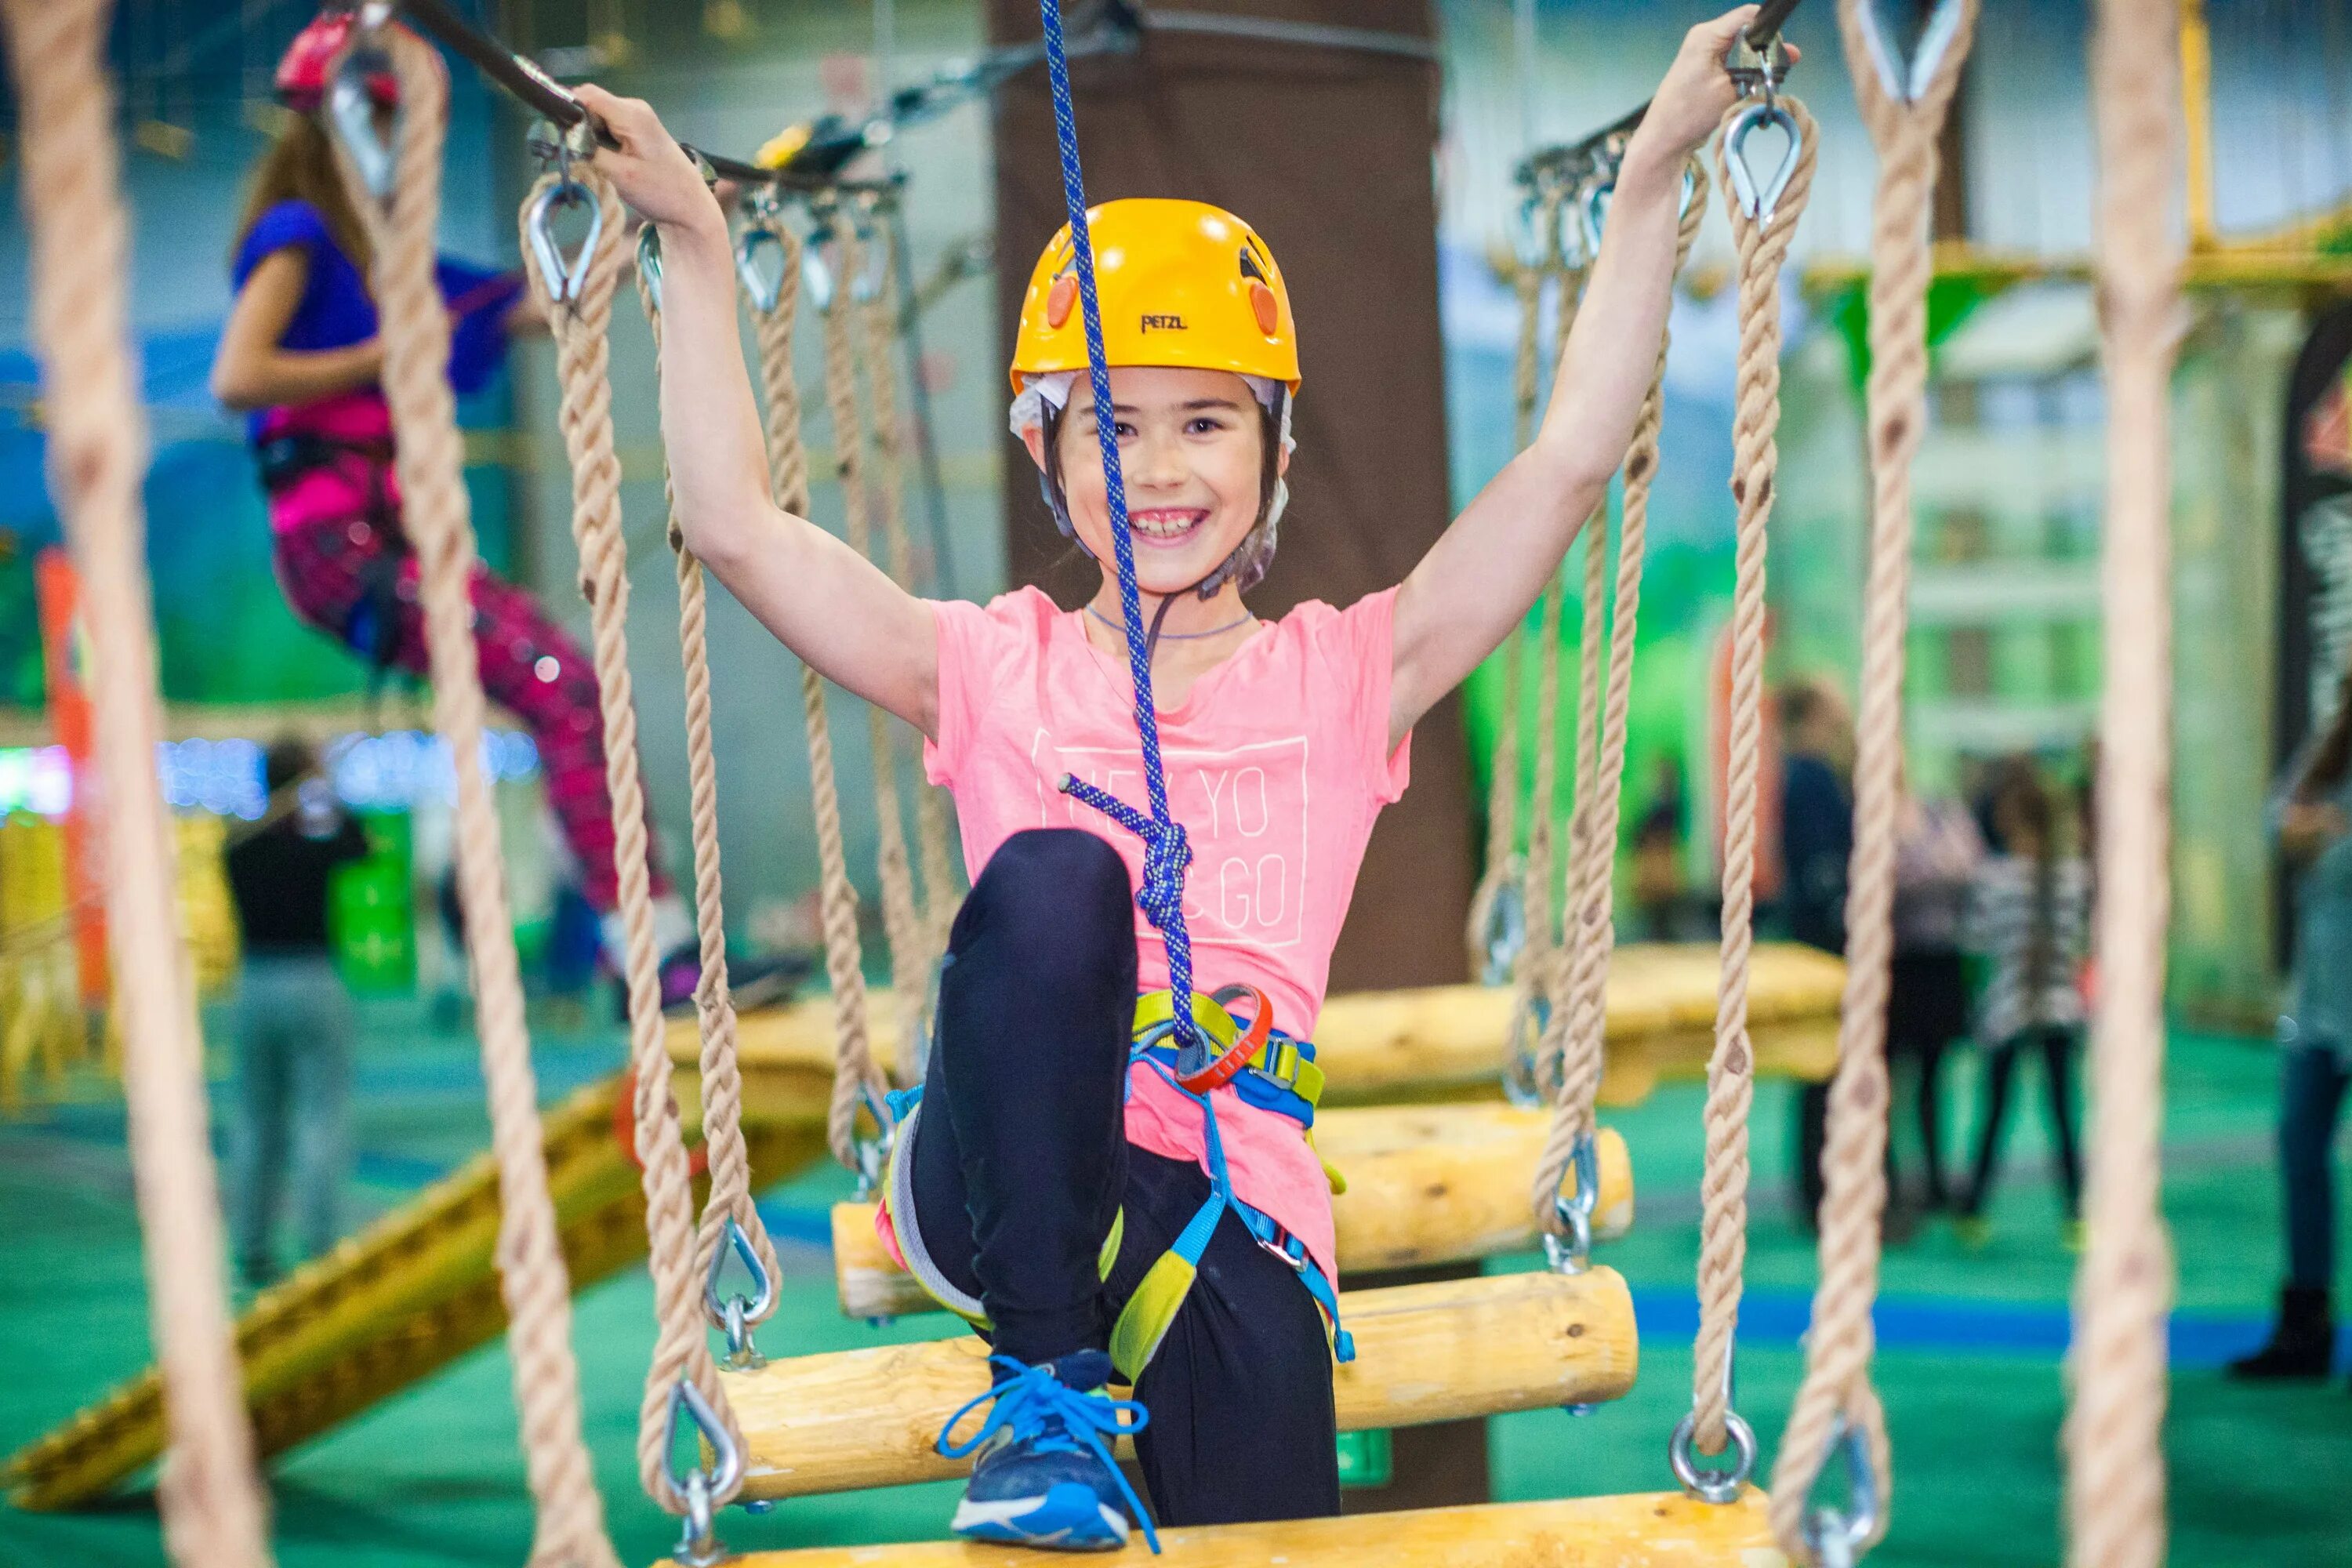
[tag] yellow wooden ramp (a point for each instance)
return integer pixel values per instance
(391, 1305)
(1646, 1530)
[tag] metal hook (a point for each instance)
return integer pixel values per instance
(564, 279)
(649, 263)
(1572, 1253)
(1506, 927)
(1758, 70)
(733, 1314)
(1837, 1536)
(816, 275)
(351, 113)
(700, 1546)
(874, 1153)
(1723, 1484)
(763, 291)
(1761, 201)
(1528, 1026)
(1905, 81)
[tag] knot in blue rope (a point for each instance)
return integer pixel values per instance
(1038, 1409)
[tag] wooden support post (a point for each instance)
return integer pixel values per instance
(1649, 1530)
(1424, 1353)
(1426, 1185)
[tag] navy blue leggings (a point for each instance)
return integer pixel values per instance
(1020, 1163)
(2312, 1097)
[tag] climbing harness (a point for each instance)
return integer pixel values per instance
(1266, 1068)
(1836, 1412)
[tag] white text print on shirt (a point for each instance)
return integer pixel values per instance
(1244, 810)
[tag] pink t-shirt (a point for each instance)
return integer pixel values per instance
(1277, 763)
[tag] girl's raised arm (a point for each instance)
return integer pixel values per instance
(1475, 583)
(825, 600)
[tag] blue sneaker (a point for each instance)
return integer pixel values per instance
(1042, 1470)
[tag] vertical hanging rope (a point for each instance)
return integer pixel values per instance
(1531, 1007)
(901, 922)
(1166, 852)
(1763, 246)
(1905, 119)
(881, 322)
(721, 1073)
(582, 356)
(1503, 785)
(210, 1495)
(857, 1079)
(1580, 1022)
(2116, 1478)
(569, 1514)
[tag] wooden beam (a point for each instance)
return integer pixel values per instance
(854, 1419)
(1426, 1185)
(1382, 1046)
(1646, 1530)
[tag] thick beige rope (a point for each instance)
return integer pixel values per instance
(932, 804)
(582, 366)
(1836, 1386)
(1580, 1023)
(722, 1074)
(1730, 1068)
(1503, 785)
(856, 1076)
(570, 1515)
(2115, 1480)
(901, 922)
(210, 1495)
(1591, 658)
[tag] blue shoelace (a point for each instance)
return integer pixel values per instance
(1051, 1417)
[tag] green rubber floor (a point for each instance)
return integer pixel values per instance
(1970, 1343)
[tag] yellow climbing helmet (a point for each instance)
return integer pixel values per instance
(1181, 283)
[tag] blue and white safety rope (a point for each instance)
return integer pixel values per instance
(1166, 853)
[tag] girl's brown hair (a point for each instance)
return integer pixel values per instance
(300, 167)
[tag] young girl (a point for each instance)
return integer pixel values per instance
(2029, 914)
(1048, 1186)
(299, 357)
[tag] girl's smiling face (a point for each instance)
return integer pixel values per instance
(1192, 450)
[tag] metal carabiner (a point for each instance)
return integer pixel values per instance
(1520, 1085)
(873, 255)
(699, 1545)
(763, 290)
(649, 266)
(733, 1314)
(1572, 1253)
(1723, 1484)
(564, 277)
(351, 110)
(1505, 933)
(1905, 80)
(874, 1153)
(1837, 1536)
(1760, 200)
(816, 274)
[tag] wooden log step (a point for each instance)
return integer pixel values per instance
(1427, 1184)
(1645, 1530)
(1383, 1046)
(1444, 1351)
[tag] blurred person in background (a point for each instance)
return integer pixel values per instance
(1661, 902)
(294, 1019)
(1816, 842)
(2029, 915)
(1936, 851)
(2311, 815)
